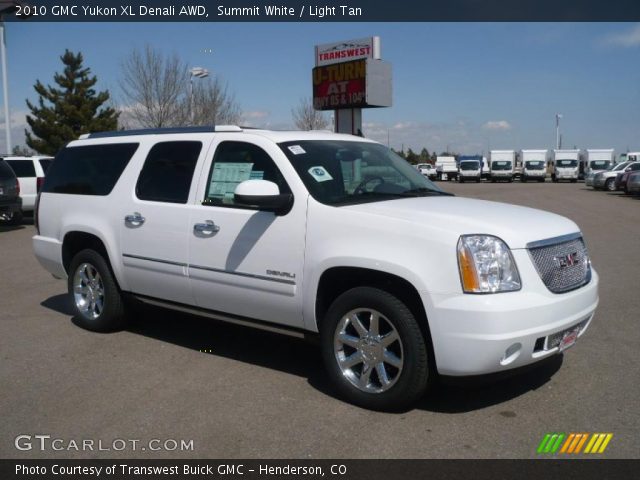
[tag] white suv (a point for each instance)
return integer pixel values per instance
(314, 233)
(30, 172)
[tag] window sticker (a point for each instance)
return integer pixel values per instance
(319, 174)
(226, 177)
(296, 149)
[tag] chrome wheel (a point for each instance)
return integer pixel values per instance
(368, 350)
(88, 291)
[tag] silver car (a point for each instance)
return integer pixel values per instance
(607, 180)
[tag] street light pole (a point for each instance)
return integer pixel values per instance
(5, 87)
(198, 72)
(558, 117)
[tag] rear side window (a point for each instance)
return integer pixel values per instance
(6, 171)
(45, 163)
(167, 172)
(88, 170)
(23, 168)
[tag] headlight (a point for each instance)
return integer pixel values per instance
(486, 265)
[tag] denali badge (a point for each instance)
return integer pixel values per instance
(568, 260)
(281, 274)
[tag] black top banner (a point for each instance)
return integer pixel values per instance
(325, 11)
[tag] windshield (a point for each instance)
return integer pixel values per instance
(620, 166)
(600, 164)
(338, 172)
(534, 164)
(426, 166)
(501, 165)
(469, 165)
(566, 163)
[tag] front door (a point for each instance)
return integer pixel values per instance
(244, 261)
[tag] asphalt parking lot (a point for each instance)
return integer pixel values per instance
(243, 393)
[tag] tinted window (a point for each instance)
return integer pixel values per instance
(45, 163)
(88, 170)
(6, 171)
(235, 162)
(167, 172)
(23, 168)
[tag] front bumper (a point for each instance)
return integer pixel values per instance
(598, 182)
(482, 334)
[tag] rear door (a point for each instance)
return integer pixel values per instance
(250, 262)
(155, 220)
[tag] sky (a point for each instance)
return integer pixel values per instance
(463, 87)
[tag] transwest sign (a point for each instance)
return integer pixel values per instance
(329, 53)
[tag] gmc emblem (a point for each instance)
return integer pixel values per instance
(569, 260)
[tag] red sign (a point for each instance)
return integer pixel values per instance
(340, 85)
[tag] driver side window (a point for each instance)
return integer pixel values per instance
(235, 162)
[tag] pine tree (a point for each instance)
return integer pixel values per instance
(64, 113)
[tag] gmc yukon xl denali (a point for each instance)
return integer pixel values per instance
(314, 233)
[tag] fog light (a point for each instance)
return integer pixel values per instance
(511, 354)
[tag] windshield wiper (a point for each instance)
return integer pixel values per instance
(423, 192)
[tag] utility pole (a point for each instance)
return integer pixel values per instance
(5, 86)
(558, 137)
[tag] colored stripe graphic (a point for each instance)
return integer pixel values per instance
(598, 442)
(573, 443)
(550, 443)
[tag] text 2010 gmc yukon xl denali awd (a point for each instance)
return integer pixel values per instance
(314, 232)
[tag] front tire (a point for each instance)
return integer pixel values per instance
(610, 185)
(374, 350)
(94, 293)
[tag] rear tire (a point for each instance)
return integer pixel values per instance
(94, 293)
(374, 350)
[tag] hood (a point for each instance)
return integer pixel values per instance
(514, 224)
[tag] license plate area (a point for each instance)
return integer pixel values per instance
(561, 340)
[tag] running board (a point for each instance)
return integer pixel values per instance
(245, 322)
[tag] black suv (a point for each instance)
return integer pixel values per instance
(10, 201)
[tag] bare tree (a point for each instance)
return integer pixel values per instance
(154, 86)
(213, 104)
(305, 117)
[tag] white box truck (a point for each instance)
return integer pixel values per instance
(446, 168)
(502, 165)
(469, 168)
(534, 165)
(597, 160)
(566, 165)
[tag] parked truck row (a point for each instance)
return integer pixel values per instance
(525, 165)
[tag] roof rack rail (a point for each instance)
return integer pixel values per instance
(162, 131)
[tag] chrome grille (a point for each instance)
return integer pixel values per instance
(562, 263)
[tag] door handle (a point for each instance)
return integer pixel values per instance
(134, 220)
(207, 229)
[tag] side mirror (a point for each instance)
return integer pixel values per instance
(264, 195)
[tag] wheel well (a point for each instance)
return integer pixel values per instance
(75, 241)
(338, 280)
